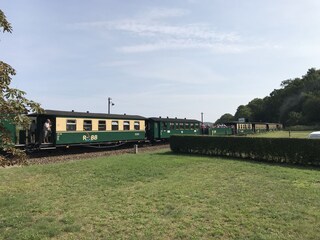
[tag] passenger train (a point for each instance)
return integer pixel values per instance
(70, 128)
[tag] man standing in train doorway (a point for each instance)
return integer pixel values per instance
(46, 131)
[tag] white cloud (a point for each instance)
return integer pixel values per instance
(153, 32)
(182, 44)
(154, 29)
(172, 37)
(158, 34)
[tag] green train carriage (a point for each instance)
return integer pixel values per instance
(163, 128)
(221, 131)
(84, 128)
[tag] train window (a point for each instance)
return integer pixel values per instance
(171, 125)
(196, 125)
(181, 126)
(137, 125)
(126, 125)
(102, 126)
(164, 125)
(87, 125)
(186, 125)
(71, 125)
(191, 126)
(115, 125)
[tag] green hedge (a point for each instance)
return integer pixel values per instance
(288, 150)
(303, 128)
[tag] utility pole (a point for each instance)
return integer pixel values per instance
(110, 104)
(202, 125)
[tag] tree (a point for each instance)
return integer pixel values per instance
(13, 104)
(227, 117)
(243, 112)
(294, 118)
(311, 108)
(257, 107)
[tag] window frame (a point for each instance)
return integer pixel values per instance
(137, 123)
(126, 125)
(165, 125)
(101, 126)
(87, 126)
(73, 123)
(113, 124)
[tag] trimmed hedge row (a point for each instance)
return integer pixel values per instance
(284, 150)
(303, 128)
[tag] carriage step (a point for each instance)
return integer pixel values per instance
(48, 148)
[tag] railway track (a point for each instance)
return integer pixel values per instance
(78, 153)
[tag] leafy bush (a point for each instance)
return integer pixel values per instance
(286, 150)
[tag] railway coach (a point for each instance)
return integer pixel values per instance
(85, 128)
(162, 128)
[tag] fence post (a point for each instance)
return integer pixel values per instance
(135, 147)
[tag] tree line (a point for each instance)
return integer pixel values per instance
(297, 102)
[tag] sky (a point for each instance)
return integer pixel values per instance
(173, 58)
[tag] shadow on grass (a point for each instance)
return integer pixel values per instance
(259, 162)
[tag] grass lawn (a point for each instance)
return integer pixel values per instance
(159, 196)
(283, 134)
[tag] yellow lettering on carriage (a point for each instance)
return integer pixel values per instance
(84, 137)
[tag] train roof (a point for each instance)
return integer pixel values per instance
(87, 115)
(159, 119)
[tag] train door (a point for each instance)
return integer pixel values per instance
(52, 138)
(46, 133)
(32, 131)
(156, 130)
